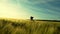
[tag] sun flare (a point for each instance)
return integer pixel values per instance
(11, 10)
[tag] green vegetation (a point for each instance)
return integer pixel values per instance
(28, 27)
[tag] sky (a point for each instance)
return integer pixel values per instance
(23, 9)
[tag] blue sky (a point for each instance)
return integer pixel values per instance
(40, 9)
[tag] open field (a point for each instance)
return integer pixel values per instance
(13, 26)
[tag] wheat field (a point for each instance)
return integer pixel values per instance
(13, 26)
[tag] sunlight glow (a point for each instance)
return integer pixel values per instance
(11, 11)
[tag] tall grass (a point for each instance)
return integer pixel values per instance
(29, 27)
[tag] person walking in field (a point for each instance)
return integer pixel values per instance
(31, 18)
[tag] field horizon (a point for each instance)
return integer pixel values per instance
(33, 19)
(27, 26)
